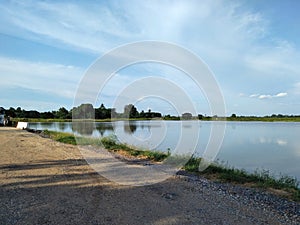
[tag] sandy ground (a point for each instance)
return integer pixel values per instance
(46, 182)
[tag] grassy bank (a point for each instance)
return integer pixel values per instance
(288, 186)
(110, 143)
(285, 186)
(264, 119)
(36, 120)
(41, 120)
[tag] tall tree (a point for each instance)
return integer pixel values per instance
(130, 111)
(62, 113)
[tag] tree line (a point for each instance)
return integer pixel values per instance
(87, 111)
(84, 111)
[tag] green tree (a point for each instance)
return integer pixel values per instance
(200, 117)
(47, 115)
(130, 111)
(142, 114)
(19, 113)
(233, 115)
(102, 112)
(62, 113)
(11, 112)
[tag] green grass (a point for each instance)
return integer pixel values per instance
(36, 120)
(41, 120)
(61, 137)
(260, 179)
(110, 143)
(264, 119)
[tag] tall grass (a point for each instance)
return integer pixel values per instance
(262, 179)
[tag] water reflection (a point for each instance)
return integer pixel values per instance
(83, 128)
(130, 127)
(252, 145)
(62, 126)
(278, 141)
(104, 128)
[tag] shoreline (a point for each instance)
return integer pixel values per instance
(284, 186)
(228, 119)
(45, 181)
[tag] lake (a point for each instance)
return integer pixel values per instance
(249, 145)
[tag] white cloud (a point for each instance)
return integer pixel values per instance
(254, 95)
(281, 142)
(217, 30)
(75, 25)
(264, 96)
(268, 96)
(99, 27)
(278, 141)
(56, 79)
(282, 94)
(234, 41)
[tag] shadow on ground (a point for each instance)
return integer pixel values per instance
(69, 192)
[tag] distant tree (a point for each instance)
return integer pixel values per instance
(200, 117)
(104, 113)
(100, 113)
(19, 113)
(214, 117)
(169, 117)
(142, 114)
(47, 115)
(31, 114)
(62, 113)
(156, 115)
(130, 111)
(11, 112)
(2, 110)
(150, 114)
(233, 115)
(187, 116)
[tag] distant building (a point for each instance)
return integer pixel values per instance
(187, 116)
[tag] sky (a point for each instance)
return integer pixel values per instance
(251, 47)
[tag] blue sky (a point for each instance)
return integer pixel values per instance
(252, 47)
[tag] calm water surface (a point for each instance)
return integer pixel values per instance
(248, 145)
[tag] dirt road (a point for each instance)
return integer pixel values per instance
(46, 182)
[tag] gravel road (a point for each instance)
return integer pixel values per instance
(46, 182)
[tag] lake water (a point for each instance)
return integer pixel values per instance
(248, 145)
